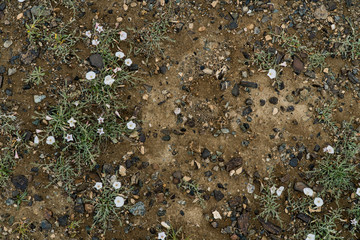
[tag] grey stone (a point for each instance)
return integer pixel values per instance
(138, 209)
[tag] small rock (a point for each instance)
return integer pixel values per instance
(9, 202)
(163, 69)
(233, 25)
(108, 168)
(8, 92)
(321, 13)
(38, 198)
(214, 224)
(235, 91)
(122, 171)
(45, 225)
(166, 138)
(250, 188)
(270, 227)
(299, 186)
(353, 79)
(2, 69)
(63, 220)
(247, 111)
(243, 223)
(138, 209)
(234, 163)
(293, 162)
(205, 153)
(11, 71)
(310, 74)
(96, 60)
(216, 215)
(273, 100)
(30, 55)
(20, 182)
(297, 65)
(218, 195)
(7, 43)
(304, 217)
(248, 84)
(39, 98)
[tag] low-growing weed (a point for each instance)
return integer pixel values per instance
(36, 76)
(194, 189)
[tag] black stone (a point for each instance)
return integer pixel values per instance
(233, 25)
(2, 69)
(304, 217)
(163, 69)
(205, 153)
(8, 92)
(218, 195)
(45, 225)
(247, 111)
(248, 84)
(317, 148)
(2, 6)
(96, 60)
(235, 91)
(134, 67)
(20, 182)
(293, 162)
(38, 198)
(166, 138)
(273, 100)
(108, 168)
(262, 102)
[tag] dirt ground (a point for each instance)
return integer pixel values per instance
(204, 52)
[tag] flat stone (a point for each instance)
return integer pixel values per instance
(321, 13)
(218, 195)
(297, 65)
(270, 227)
(138, 209)
(304, 217)
(45, 225)
(96, 60)
(30, 55)
(205, 153)
(20, 182)
(63, 220)
(248, 84)
(236, 91)
(8, 43)
(11, 71)
(299, 186)
(39, 98)
(294, 162)
(234, 163)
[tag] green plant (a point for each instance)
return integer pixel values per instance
(291, 43)
(36, 76)
(350, 45)
(270, 205)
(317, 60)
(23, 229)
(265, 60)
(62, 172)
(20, 198)
(326, 228)
(34, 29)
(149, 38)
(173, 234)
(325, 114)
(193, 189)
(62, 44)
(105, 208)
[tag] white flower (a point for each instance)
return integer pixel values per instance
(119, 54)
(329, 149)
(72, 122)
(36, 140)
(177, 111)
(109, 80)
(117, 185)
(279, 191)
(161, 236)
(318, 202)
(50, 140)
(358, 191)
(48, 118)
(354, 222)
(98, 185)
(119, 201)
(100, 131)
(20, 1)
(90, 75)
(273, 189)
(99, 28)
(100, 120)
(272, 73)
(123, 35)
(310, 236)
(88, 34)
(128, 62)
(308, 192)
(95, 42)
(69, 138)
(131, 125)
(76, 103)
(117, 69)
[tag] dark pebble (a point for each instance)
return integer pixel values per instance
(273, 100)
(249, 101)
(96, 60)
(248, 84)
(247, 111)
(233, 25)
(205, 153)
(161, 212)
(38, 198)
(63, 220)
(304, 217)
(2, 69)
(20, 182)
(2, 6)
(294, 162)
(317, 148)
(45, 225)
(108, 168)
(166, 138)
(8, 92)
(235, 91)
(262, 102)
(163, 69)
(134, 67)
(26, 87)
(218, 195)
